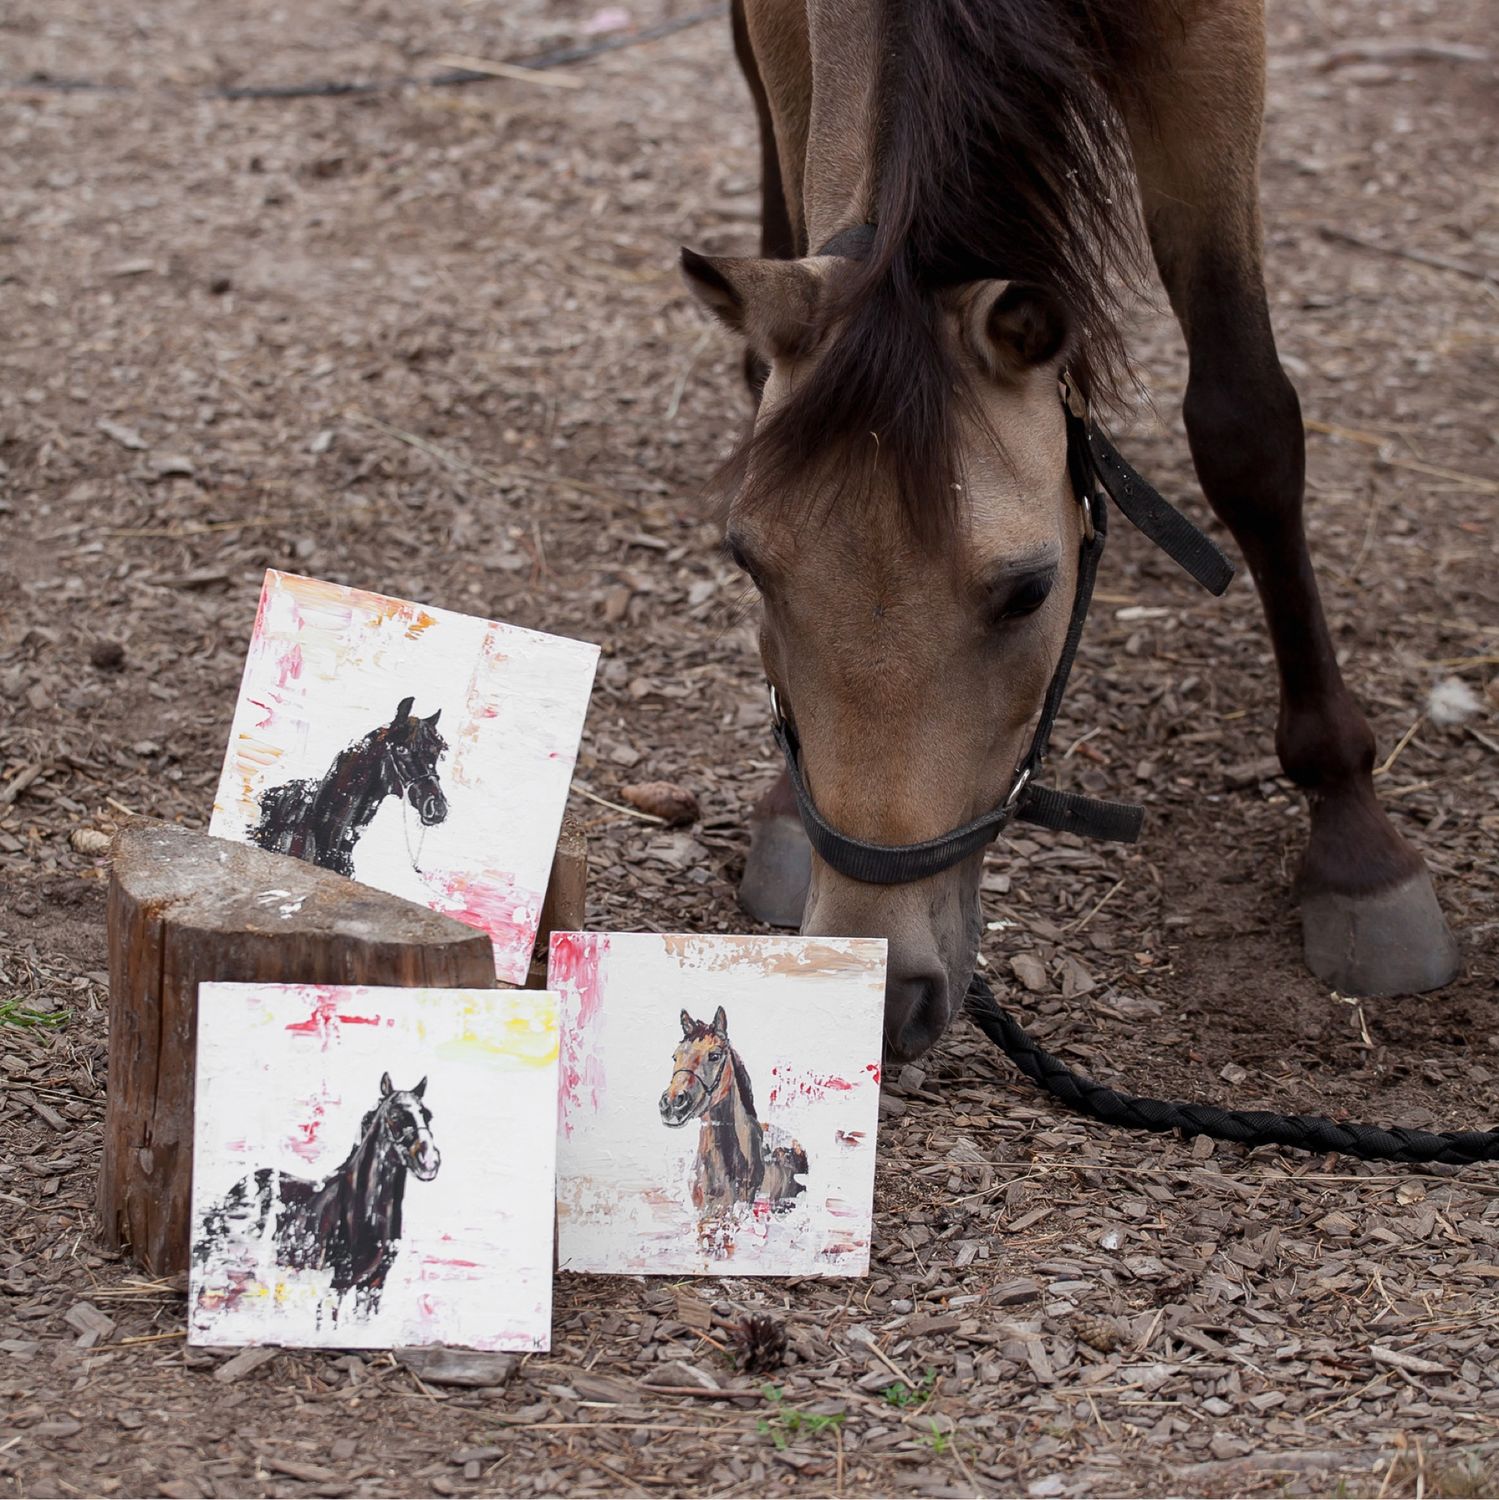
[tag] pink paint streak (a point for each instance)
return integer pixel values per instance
(289, 667)
(793, 1085)
(574, 970)
(325, 1018)
(493, 903)
(303, 1141)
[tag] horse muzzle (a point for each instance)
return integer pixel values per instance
(678, 1109)
(431, 809)
(425, 1160)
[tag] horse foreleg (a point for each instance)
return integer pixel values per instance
(1370, 920)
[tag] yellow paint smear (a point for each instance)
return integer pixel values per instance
(527, 1037)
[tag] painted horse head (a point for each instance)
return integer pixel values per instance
(412, 749)
(698, 1067)
(404, 1124)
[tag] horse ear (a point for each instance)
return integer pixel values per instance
(721, 1023)
(687, 1024)
(432, 722)
(387, 1088)
(421, 1088)
(773, 303)
(1014, 328)
(403, 710)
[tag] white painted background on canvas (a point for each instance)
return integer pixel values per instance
(283, 1082)
(805, 1015)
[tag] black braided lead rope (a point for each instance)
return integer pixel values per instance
(1249, 1127)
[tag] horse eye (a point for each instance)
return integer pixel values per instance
(715, 1055)
(733, 549)
(1022, 596)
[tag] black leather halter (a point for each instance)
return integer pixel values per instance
(1093, 462)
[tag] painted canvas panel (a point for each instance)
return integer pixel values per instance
(719, 1098)
(373, 1167)
(422, 752)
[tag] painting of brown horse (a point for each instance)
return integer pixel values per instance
(736, 1162)
(954, 199)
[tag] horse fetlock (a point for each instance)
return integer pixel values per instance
(777, 871)
(1327, 744)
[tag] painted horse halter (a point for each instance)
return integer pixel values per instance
(390, 1141)
(692, 1073)
(1097, 469)
(414, 855)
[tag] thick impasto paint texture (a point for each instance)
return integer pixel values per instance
(373, 1167)
(718, 1103)
(422, 752)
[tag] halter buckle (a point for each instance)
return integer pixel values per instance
(1021, 782)
(777, 716)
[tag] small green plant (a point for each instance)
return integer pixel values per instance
(906, 1396)
(938, 1441)
(14, 1013)
(788, 1422)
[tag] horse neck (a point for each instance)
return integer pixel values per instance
(371, 1176)
(356, 783)
(729, 1118)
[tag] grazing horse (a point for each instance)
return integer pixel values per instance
(950, 193)
(349, 1223)
(735, 1164)
(321, 821)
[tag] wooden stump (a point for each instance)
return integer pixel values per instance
(565, 906)
(185, 908)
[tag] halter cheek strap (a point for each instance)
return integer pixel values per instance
(1094, 464)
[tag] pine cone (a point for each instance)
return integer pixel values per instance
(1101, 1333)
(758, 1344)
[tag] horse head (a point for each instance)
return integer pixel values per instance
(412, 749)
(906, 514)
(698, 1067)
(405, 1126)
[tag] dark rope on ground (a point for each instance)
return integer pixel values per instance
(1249, 1127)
(558, 57)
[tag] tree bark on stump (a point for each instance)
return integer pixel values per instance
(185, 908)
(564, 907)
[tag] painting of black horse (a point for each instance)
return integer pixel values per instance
(348, 1223)
(321, 821)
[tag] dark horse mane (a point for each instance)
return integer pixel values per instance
(701, 1030)
(998, 155)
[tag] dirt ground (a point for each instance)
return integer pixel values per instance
(430, 340)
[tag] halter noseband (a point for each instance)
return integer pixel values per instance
(1093, 463)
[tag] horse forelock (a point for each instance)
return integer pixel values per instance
(997, 155)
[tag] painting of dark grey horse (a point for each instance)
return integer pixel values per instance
(321, 820)
(348, 1223)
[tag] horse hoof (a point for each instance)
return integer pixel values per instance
(1395, 942)
(777, 872)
